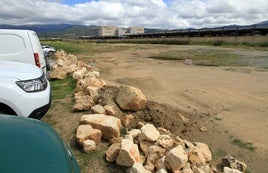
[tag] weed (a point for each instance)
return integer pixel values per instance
(123, 132)
(245, 145)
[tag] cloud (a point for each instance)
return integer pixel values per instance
(166, 14)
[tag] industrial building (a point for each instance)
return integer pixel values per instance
(105, 31)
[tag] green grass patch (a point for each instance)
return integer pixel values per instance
(172, 55)
(209, 56)
(62, 88)
(69, 47)
(245, 145)
(203, 57)
(76, 46)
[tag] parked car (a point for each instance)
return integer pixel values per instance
(48, 50)
(24, 90)
(31, 146)
(22, 46)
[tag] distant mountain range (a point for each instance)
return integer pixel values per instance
(69, 30)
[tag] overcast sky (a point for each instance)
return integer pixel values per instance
(164, 14)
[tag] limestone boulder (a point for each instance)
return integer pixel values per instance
(85, 132)
(109, 126)
(98, 109)
(137, 168)
(197, 158)
(160, 165)
(154, 154)
(198, 170)
(72, 59)
(109, 110)
(92, 81)
(162, 171)
(126, 120)
(61, 72)
(134, 133)
(165, 141)
(130, 98)
(92, 74)
(112, 152)
(176, 159)
(187, 168)
(144, 146)
(92, 91)
(59, 54)
(203, 149)
(89, 145)
(79, 74)
(149, 133)
(83, 103)
(128, 154)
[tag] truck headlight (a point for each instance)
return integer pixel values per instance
(33, 85)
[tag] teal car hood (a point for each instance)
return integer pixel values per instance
(28, 145)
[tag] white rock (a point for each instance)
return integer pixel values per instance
(154, 154)
(229, 170)
(149, 133)
(109, 126)
(134, 133)
(98, 109)
(61, 72)
(144, 146)
(162, 171)
(89, 145)
(130, 98)
(112, 152)
(197, 158)
(83, 103)
(138, 168)
(128, 154)
(79, 74)
(109, 110)
(92, 91)
(165, 141)
(127, 119)
(204, 149)
(92, 74)
(160, 164)
(85, 132)
(176, 159)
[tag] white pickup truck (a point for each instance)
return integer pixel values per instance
(24, 90)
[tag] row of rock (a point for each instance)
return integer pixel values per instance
(88, 84)
(146, 149)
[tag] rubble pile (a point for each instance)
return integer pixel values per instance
(140, 150)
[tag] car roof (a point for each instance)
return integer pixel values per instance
(28, 145)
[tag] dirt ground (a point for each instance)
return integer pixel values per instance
(231, 104)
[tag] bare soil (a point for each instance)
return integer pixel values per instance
(231, 104)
